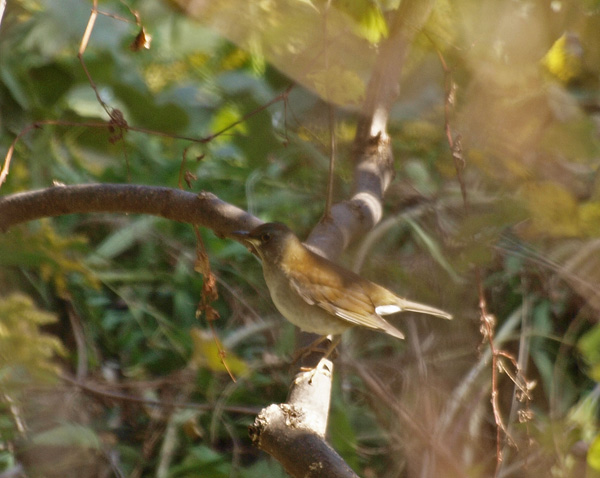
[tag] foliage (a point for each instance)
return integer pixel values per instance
(524, 107)
(27, 353)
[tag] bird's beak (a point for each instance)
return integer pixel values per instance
(244, 236)
(239, 234)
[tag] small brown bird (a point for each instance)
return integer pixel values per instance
(318, 295)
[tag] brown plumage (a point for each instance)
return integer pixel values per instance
(318, 295)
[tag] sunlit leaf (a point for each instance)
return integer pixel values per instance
(207, 353)
(563, 60)
(589, 218)
(369, 21)
(227, 116)
(553, 209)
(27, 352)
(593, 455)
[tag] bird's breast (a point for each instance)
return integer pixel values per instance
(308, 317)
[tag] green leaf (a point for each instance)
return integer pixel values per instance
(69, 434)
(51, 82)
(589, 218)
(226, 117)
(575, 140)
(434, 249)
(589, 347)
(208, 353)
(14, 86)
(343, 436)
(202, 458)
(146, 111)
(262, 469)
(540, 353)
(125, 237)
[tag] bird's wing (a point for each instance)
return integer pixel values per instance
(353, 305)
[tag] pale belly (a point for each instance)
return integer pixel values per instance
(309, 318)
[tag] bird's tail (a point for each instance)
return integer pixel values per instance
(409, 306)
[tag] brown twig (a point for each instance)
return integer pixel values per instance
(454, 141)
(283, 96)
(78, 334)
(83, 46)
(488, 323)
(210, 294)
(332, 154)
(330, 117)
(105, 392)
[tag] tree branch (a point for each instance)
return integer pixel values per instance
(373, 157)
(204, 209)
(279, 430)
(283, 430)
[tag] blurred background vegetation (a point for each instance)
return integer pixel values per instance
(105, 370)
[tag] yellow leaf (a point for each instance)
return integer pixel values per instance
(207, 354)
(563, 59)
(553, 209)
(24, 349)
(589, 218)
(227, 117)
(369, 22)
(593, 456)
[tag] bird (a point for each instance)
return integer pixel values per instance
(318, 295)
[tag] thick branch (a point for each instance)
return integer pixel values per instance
(204, 209)
(374, 161)
(301, 452)
(295, 438)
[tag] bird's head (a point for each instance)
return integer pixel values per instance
(270, 241)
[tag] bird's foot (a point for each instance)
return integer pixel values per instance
(309, 373)
(325, 353)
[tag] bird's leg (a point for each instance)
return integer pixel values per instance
(304, 352)
(326, 354)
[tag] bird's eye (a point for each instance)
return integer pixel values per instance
(266, 237)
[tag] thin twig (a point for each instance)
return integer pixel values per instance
(487, 328)
(332, 154)
(454, 141)
(75, 321)
(156, 403)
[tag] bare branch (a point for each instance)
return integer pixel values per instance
(294, 434)
(374, 161)
(204, 209)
